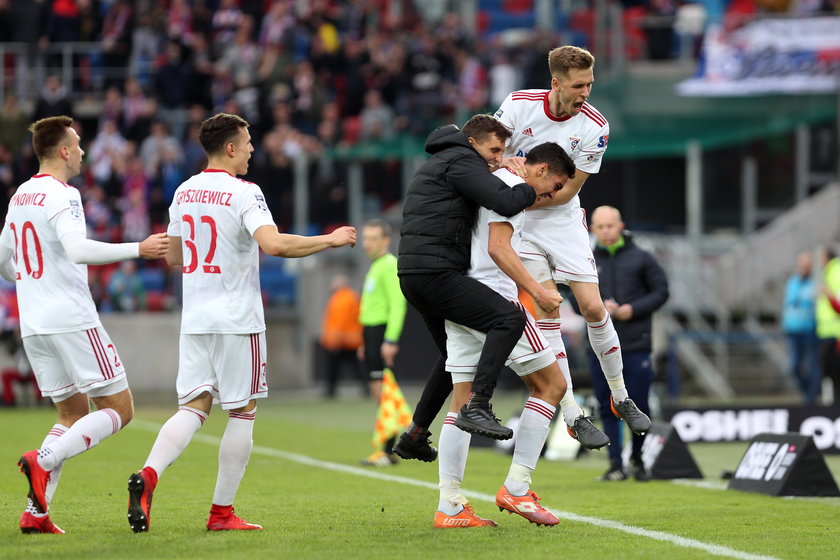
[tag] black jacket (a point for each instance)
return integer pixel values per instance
(442, 202)
(632, 276)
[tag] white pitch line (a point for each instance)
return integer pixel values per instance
(714, 549)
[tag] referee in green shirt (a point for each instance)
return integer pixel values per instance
(382, 314)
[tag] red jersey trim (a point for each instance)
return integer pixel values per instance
(217, 171)
(548, 112)
(42, 175)
(593, 114)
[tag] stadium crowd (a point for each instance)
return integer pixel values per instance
(308, 76)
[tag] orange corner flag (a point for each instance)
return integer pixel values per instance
(394, 414)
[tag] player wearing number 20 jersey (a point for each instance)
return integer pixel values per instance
(52, 290)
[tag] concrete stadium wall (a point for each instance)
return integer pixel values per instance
(148, 346)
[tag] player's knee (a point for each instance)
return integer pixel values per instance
(593, 311)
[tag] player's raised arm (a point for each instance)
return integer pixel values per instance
(292, 246)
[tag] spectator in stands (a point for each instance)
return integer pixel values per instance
(341, 335)
(125, 289)
(117, 28)
(54, 100)
(633, 286)
(13, 123)
(376, 118)
(173, 85)
(799, 324)
(159, 147)
(106, 157)
(828, 323)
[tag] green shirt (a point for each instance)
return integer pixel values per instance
(828, 320)
(382, 300)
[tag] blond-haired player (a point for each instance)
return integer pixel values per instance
(555, 246)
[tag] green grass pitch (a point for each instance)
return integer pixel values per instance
(305, 487)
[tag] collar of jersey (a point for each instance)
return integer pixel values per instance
(548, 112)
(217, 171)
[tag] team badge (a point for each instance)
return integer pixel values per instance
(574, 142)
(75, 209)
(499, 114)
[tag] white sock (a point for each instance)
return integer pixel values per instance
(84, 434)
(234, 452)
(55, 432)
(530, 438)
(174, 437)
(604, 341)
(550, 328)
(453, 448)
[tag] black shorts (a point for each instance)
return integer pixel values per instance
(374, 364)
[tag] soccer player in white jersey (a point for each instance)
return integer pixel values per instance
(555, 246)
(218, 223)
(44, 249)
(495, 263)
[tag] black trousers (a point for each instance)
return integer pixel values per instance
(463, 300)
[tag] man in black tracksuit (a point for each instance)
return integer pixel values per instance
(632, 286)
(434, 255)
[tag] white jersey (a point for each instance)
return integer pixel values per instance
(52, 290)
(215, 215)
(482, 267)
(584, 137)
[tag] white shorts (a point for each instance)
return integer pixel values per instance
(557, 247)
(75, 362)
(231, 367)
(463, 348)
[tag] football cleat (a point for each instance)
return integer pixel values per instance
(615, 473)
(479, 419)
(30, 523)
(380, 459)
(527, 506)
(637, 421)
(37, 477)
(464, 518)
(418, 447)
(587, 434)
(637, 468)
(141, 488)
(222, 518)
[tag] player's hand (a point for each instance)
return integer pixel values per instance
(345, 235)
(154, 247)
(389, 352)
(548, 300)
(515, 165)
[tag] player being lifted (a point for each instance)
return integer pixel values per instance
(495, 263)
(555, 245)
(71, 354)
(217, 225)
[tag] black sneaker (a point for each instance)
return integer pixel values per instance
(637, 421)
(587, 434)
(614, 473)
(479, 419)
(640, 473)
(419, 447)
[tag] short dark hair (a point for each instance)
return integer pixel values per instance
(48, 134)
(563, 59)
(381, 224)
(218, 130)
(482, 126)
(559, 162)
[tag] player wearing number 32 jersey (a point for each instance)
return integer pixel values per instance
(217, 225)
(44, 249)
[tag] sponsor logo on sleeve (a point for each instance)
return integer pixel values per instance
(261, 202)
(75, 209)
(574, 143)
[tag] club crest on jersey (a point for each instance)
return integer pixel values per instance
(261, 202)
(528, 132)
(574, 142)
(75, 209)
